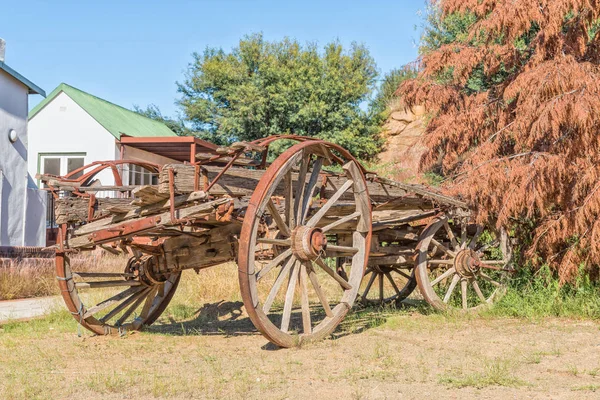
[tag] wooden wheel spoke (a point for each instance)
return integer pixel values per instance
(451, 288)
(275, 262)
(463, 236)
(443, 248)
(149, 301)
(473, 242)
(478, 291)
(123, 305)
(109, 302)
(404, 274)
(489, 279)
(483, 248)
(451, 236)
(277, 284)
(333, 274)
(330, 202)
(275, 242)
(106, 284)
(303, 283)
(341, 221)
(301, 186)
(441, 262)
(283, 228)
(320, 294)
(389, 277)
(463, 291)
(289, 297)
(493, 262)
(369, 284)
(310, 189)
(289, 200)
(380, 287)
(443, 276)
(133, 307)
(103, 275)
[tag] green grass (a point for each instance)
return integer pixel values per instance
(587, 388)
(497, 372)
(540, 295)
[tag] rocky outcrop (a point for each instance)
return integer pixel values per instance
(403, 149)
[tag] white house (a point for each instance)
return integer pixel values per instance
(71, 128)
(22, 205)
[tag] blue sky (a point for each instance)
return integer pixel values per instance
(133, 52)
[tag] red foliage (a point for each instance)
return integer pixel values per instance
(526, 150)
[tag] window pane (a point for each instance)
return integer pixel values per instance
(73, 164)
(52, 166)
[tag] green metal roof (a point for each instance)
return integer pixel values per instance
(116, 119)
(33, 88)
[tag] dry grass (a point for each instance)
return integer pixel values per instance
(20, 279)
(27, 278)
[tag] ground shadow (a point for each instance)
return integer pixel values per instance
(226, 318)
(229, 319)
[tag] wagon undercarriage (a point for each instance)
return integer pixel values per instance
(304, 231)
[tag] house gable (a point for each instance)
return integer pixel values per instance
(115, 119)
(32, 88)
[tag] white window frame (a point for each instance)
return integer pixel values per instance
(64, 157)
(146, 177)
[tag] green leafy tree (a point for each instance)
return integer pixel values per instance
(152, 111)
(386, 95)
(264, 88)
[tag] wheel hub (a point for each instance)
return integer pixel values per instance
(146, 269)
(308, 243)
(467, 263)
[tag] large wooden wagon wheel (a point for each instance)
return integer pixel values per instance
(292, 287)
(461, 265)
(108, 297)
(109, 302)
(387, 284)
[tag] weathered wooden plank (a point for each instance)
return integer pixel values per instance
(83, 238)
(134, 211)
(75, 209)
(148, 194)
(242, 182)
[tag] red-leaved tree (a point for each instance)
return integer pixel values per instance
(523, 146)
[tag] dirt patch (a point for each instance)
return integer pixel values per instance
(218, 354)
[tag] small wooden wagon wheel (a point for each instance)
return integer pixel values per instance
(461, 265)
(386, 284)
(116, 302)
(290, 285)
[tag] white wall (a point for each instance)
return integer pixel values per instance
(35, 217)
(13, 163)
(64, 127)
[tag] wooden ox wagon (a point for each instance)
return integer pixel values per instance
(312, 233)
